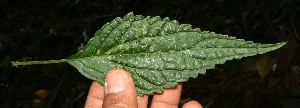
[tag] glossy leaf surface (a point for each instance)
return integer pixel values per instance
(158, 53)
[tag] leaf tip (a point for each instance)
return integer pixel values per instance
(281, 44)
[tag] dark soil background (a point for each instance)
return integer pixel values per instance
(55, 29)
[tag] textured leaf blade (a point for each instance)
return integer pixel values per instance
(157, 52)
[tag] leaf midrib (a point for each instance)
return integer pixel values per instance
(149, 53)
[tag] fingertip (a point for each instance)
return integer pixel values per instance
(192, 104)
(119, 90)
(115, 81)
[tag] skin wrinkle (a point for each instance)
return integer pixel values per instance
(165, 103)
(93, 103)
(162, 99)
(118, 101)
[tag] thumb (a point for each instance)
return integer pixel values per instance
(119, 90)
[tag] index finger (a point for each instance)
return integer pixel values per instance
(95, 97)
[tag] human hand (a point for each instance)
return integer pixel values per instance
(119, 92)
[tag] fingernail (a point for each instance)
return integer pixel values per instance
(114, 83)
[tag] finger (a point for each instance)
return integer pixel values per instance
(192, 104)
(142, 101)
(168, 99)
(95, 97)
(119, 90)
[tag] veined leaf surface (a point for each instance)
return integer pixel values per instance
(158, 53)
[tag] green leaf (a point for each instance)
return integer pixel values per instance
(158, 53)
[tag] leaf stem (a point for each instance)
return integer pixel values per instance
(16, 63)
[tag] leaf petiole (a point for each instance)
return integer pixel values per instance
(16, 63)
